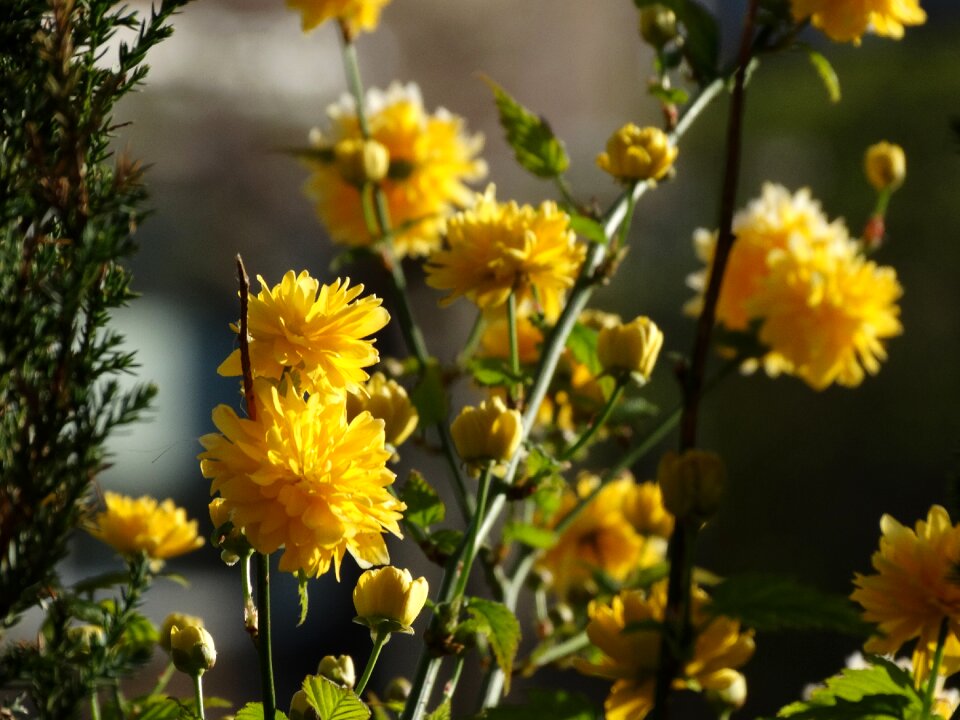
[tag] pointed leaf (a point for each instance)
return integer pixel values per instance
(826, 72)
(424, 506)
(441, 713)
(582, 342)
(778, 603)
(587, 227)
(501, 628)
(302, 579)
(333, 702)
(534, 144)
(531, 535)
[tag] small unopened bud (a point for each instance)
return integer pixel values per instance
(488, 432)
(632, 347)
(300, 708)
(192, 649)
(692, 484)
(398, 690)
(338, 669)
(727, 690)
(634, 154)
(658, 25)
(886, 166)
(361, 161)
(178, 620)
(388, 599)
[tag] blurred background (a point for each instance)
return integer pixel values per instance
(811, 473)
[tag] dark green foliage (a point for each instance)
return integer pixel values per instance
(68, 211)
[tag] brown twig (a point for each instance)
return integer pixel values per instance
(248, 395)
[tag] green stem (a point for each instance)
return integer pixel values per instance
(476, 333)
(627, 220)
(94, 705)
(250, 621)
(931, 689)
(450, 687)
(600, 421)
(514, 343)
(379, 641)
(164, 679)
(264, 645)
(568, 647)
(471, 541)
(198, 694)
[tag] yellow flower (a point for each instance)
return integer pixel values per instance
(885, 165)
(635, 154)
(179, 620)
(848, 20)
(489, 432)
(692, 483)
(317, 330)
(631, 659)
(632, 347)
(356, 15)
(825, 312)
(388, 401)
(915, 587)
(431, 157)
(134, 525)
(388, 599)
(192, 649)
(600, 538)
(646, 512)
(303, 478)
(361, 161)
(495, 248)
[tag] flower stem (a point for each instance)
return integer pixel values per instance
(379, 641)
(471, 541)
(198, 694)
(248, 395)
(263, 638)
(516, 388)
(627, 220)
(450, 687)
(94, 705)
(599, 422)
(931, 690)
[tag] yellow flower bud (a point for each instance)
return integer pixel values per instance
(361, 161)
(692, 483)
(632, 347)
(386, 400)
(192, 649)
(300, 708)
(179, 620)
(635, 154)
(388, 599)
(658, 25)
(339, 669)
(725, 689)
(398, 690)
(489, 432)
(886, 166)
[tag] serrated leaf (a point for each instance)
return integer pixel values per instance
(587, 227)
(882, 690)
(582, 342)
(333, 702)
(502, 629)
(424, 506)
(777, 603)
(254, 711)
(165, 709)
(444, 543)
(430, 397)
(702, 38)
(530, 535)
(441, 713)
(553, 704)
(534, 145)
(303, 596)
(826, 72)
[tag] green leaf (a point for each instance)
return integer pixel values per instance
(530, 535)
(492, 372)
(429, 396)
(631, 409)
(826, 72)
(302, 579)
(441, 713)
(333, 702)
(882, 690)
(254, 711)
(777, 603)
(648, 576)
(702, 38)
(165, 709)
(501, 628)
(553, 704)
(424, 506)
(443, 544)
(535, 146)
(671, 96)
(587, 227)
(582, 342)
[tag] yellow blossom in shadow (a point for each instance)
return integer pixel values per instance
(645, 511)
(849, 20)
(319, 330)
(386, 400)
(389, 598)
(356, 15)
(630, 347)
(142, 525)
(825, 312)
(915, 587)
(601, 538)
(495, 248)
(431, 159)
(488, 432)
(631, 659)
(303, 478)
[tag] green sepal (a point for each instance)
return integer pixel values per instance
(534, 145)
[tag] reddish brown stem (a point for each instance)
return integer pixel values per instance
(245, 340)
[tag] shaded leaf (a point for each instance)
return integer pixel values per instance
(254, 711)
(582, 342)
(671, 96)
(552, 704)
(441, 713)
(535, 146)
(429, 396)
(424, 506)
(587, 227)
(702, 38)
(501, 628)
(531, 535)
(826, 72)
(777, 603)
(333, 702)
(492, 372)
